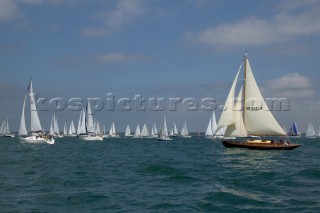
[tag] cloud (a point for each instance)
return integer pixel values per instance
(292, 85)
(120, 57)
(9, 10)
(255, 31)
(124, 12)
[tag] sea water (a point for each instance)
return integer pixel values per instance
(146, 175)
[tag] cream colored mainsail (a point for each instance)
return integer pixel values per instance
(227, 115)
(258, 119)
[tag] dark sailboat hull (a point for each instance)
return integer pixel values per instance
(259, 146)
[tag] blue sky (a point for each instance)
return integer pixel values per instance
(158, 48)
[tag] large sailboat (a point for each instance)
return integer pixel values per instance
(249, 116)
(36, 130)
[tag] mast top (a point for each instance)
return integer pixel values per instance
(246, 54)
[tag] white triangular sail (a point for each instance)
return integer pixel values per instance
(175, 130)
(65, 130)
(82, 123)
(90, 126)
(137, 132)
(209, 132)
(184, 131)
(258, 119)
(2, 128)
(55, 125)
(310, 130)
(128, 131)
(155, 130)
(23, 128)
(35, 121)
(165, 128)
(144, 132)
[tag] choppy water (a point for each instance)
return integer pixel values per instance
(144, 175)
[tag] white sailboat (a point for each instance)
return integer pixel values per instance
(175, 130)
(137, 133)
(36, 130)
(86, 129)
(144, 131)
(212, 126)
(163, 133)
(112, 132)
(128, 132)
(184, 132)
(249, 115)
(4, 130)
(54, 127)
(72, 131)
(310, 133)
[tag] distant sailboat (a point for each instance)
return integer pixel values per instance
(163, 133)
(86, 129)
(35, 127)
(249, 115)
(4, 130)
(128, 132)
(294, 130)
(112, 132)
(72, 131)
(137, 133)
(184, 132)
(144, 131)
(212, 127)
(54, 128)
(310, 133)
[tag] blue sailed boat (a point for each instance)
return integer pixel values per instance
(294, 130)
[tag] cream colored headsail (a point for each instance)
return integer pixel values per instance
(237, 129)
(227, 117)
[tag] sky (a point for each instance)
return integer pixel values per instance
(186, 49)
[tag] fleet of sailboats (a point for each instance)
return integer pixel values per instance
(245, 122)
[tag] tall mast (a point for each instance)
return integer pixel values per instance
(244, 87)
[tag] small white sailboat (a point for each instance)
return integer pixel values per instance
(137, 133)
(184, 132)
(112, 132)
(86, 129)
(144, 131)
(36, 136)
(65, 129)
(310, 133)
(4, 130)
(72, 131)
(128, 132)
(212, 126)
(54, 127)
(163, 133)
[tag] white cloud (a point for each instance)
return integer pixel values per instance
(115, 20)
(292, 85)
(8, 10)
(291, 81)
(282, 27)
(119, 57)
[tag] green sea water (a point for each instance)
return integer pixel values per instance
(146, 175)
